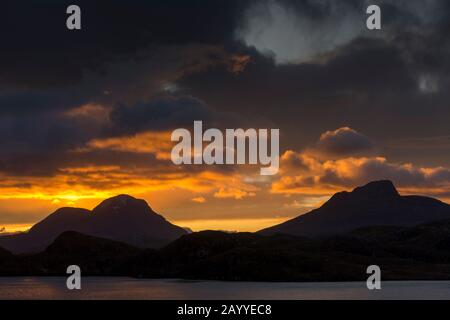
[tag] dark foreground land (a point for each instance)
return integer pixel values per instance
(403, 253)
(123, 236)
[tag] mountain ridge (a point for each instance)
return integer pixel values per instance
(126, 219)
(377, 203)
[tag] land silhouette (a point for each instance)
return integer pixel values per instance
(122, 218)
(376, 204)
(407, 236)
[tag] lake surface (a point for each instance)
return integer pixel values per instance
(127, 288)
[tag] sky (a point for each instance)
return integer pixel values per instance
(88, 114)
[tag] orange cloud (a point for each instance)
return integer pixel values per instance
(92, 111)
(157, 143)
(235, 193)
(199, 199)
(305, 174)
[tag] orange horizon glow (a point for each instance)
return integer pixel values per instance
(197, 197)
(226, 225)
(14, 228)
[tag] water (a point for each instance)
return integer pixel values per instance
(127, 288)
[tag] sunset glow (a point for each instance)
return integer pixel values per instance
(350, 107)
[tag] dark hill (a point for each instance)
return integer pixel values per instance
(95, 256)
(375, 204)
(122, 218)
(403, 253)
(420, 252)
(74, 244)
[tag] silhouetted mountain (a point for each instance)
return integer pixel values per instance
(122, 218)
(61, 219)
(46, 231)
(375, 204)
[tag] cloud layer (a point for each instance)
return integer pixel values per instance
(88, 114)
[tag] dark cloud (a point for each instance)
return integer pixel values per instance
(44, 132)
(137, 78)
(39, 51)
(42, 145)
(48, 164)
(23, 102)
(159, 114)
(308, 99)
(129, 56)
(344, 142)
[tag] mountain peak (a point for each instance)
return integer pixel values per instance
(121, 199)
(117, 203)
(377, 189)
